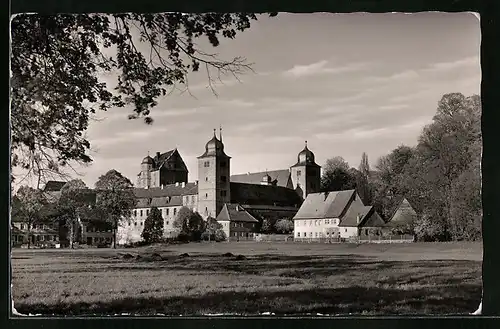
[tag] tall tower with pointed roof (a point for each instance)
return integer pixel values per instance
(306, 174)
(213, 178)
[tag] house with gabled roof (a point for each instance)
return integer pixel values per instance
(334, 216)
(237, 223)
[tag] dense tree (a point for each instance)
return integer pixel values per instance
(214, 230)
(115, 198)
(338, 180)
(70, 205)
(59, 64)
(267, 226)
(284, 226)
(190, 224)
(441, 175)
(334, 163)
(27, 206)
(153, 226)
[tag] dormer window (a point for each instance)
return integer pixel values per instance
(206, 164)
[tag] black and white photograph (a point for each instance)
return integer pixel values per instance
(237, 164)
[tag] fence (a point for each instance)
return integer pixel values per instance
(273, 238)
(362, 239)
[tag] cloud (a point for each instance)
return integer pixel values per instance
(393, 107)
(405, 75)
(363, 133)
(472, 61)
(321, 68)
(256, 126)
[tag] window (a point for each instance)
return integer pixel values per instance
(223, 163)
(319, 222)
(327, 221)
(141, 223)
(206, 164)
(135, 223)
(299, 173)
(310, 222)
(128, 225)
(235, 234)
(55, 237)
(175, 211)
(206, 210)
(316, 234)
(223, 179)
(135, 213)
(141, 212)
(206, 179)
(311, 234)
(315, 222)
(22, 226)
(298, 234)
(334, 221)
(305, 223)
(366, 231)
(167, 222)
(206, 195)
(223, 193)
(327, 233)
(345, 230)
(320, 234)
(167, 211)
(147, 212)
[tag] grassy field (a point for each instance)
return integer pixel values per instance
(283, 278)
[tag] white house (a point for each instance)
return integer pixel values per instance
(334, 215)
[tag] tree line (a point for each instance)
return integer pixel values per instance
(439, 176)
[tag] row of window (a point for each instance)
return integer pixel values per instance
(96, 229)
(35, 226)
(241, 224)
(243, 234)
(317, 222)
(190, 199)
(316, 234)
(165, 212)
(22, 238)
(142, 223)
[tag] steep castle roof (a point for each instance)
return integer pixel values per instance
(278, 178)
(235, 213)
(253, 194)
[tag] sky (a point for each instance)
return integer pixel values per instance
(346, 83)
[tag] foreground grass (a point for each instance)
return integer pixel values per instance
(269, 277)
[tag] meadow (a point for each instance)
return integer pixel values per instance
(249, 278)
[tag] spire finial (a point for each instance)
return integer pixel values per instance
(306, 143)
(220, 132)
(214, 132)
(148, 153)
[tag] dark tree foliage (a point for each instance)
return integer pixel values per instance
(115, 198)
(153, 226)
(189, 224)
(58, 63)
(213, 230)
(338, 180)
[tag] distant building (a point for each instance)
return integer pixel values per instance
(237, 223)
(335, 215)
(269, 194)
(403, 217)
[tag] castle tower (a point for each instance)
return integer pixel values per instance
(306, 175)
(213, 178)
(144, 180)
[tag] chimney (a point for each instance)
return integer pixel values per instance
(183, 184)
(358, 219)
(162, 186)
(157, 155)
(176, 183)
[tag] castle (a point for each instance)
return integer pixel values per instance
(236, 201)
